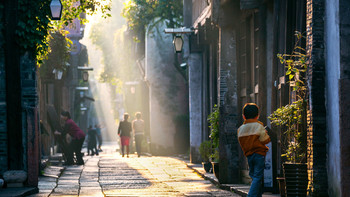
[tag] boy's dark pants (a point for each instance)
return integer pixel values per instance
(256, 164)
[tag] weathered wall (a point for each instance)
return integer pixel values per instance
(317, 142)
(30, 117)
(332, 75)
(168, 91)
(195, 67)
(229, 147)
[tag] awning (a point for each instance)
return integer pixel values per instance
(206, 13)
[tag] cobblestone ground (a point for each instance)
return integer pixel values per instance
(109, 174)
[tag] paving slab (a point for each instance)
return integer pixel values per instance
(109, 174)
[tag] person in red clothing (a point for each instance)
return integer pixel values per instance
(78, 137)
(124, 131)
(252, 137)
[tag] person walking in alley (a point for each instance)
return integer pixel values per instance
(78, 137)
(138, 128)
(124, 131)
(99, 136)
(253, 138)
(92, 145)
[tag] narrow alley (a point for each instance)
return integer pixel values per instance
(109, 174)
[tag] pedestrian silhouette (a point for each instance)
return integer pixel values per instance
(92, 145)
(71, 130)
(124, 131)
(138, 127)
(99, 136)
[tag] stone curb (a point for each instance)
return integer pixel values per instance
(240, 189)
(211, 177)
(18, 192)
(215, 182)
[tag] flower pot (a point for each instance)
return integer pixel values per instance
(282, 186)
(216, 169)
(206, 166)
(296, 179)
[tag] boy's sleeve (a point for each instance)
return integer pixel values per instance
(264, 137)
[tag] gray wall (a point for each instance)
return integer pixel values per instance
(168, 94)
(332, 87)
(229, 147)
(195, 99)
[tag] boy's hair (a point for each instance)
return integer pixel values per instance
(250, 110)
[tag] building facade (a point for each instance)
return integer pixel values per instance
(232, 58)
(168, 103)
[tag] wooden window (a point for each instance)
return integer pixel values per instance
(249, 58)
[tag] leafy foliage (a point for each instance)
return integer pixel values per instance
(34, 25)
(205, 150)
(296, 66)
(117, 50)
(215, 156)
(140, 13)
(58, 53)
(291, 118)
(213, 119)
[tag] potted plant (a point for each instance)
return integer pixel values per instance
(205, 150)
(213, 119)
(291, 120)
(215, 162)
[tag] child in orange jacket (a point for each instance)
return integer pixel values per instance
(253, 138)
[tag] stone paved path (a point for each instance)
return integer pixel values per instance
(112, 175)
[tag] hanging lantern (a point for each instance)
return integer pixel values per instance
(56, 9)
(178, 43)
(85, 76)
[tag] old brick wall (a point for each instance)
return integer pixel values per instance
(30, 124)
(317, 139)
(229, 148)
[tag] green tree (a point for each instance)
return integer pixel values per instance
(140, 13)
(58, 54)
(112, 37)
(35, 25)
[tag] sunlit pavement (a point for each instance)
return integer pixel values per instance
(109, 174)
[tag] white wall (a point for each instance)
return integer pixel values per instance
(332, 87)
